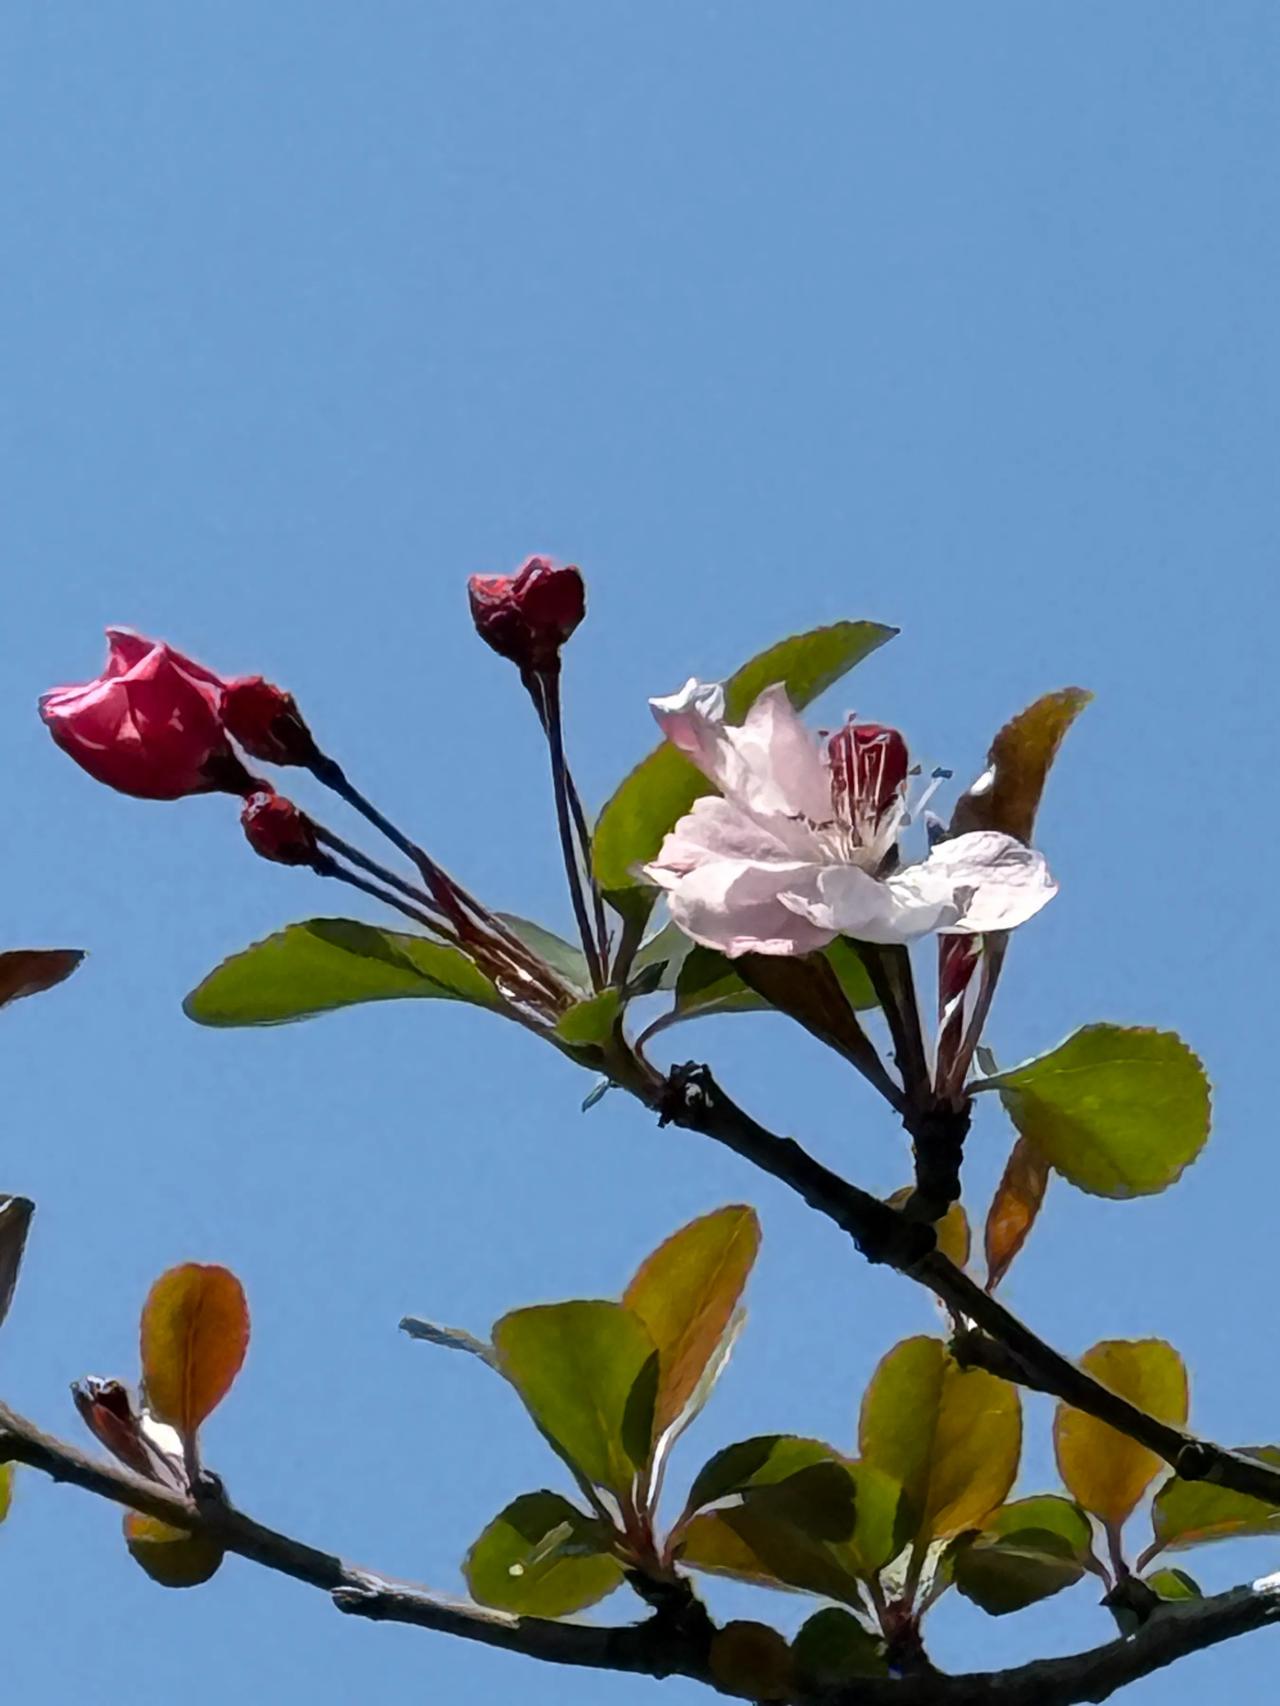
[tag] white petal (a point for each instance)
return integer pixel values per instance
(736, 907)
(781, 765)
(716, 828)
(850, 902)
(998, 882)
(693, 721)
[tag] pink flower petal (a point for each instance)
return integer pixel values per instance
(849, 901)
(999, 883)
(735, 906)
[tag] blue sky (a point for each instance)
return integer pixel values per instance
(960, 318)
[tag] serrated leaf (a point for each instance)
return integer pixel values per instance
(687, 1293)
(952, 1437)
(1008, 793)
(587, 1373)
(590, 1023)
(1025, 1552)
(171, 1556)
(194, 1335)
(1014, 1207)
(1193, 1513)
(664, 786)
(1105, 1471)
(564, 958)
(30, 971)
(542, 1557)
(954, 1237)
(326, 963)
(832, 1648)
(1119, 1112)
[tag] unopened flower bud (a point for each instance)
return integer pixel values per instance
(528, 616)
(265, 720)
(276, 829)
(107, 1410)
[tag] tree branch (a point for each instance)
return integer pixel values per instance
(666, 1644)
(691, 1098)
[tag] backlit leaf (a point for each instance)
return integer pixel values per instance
(1014, 1208)
(1192, 1513)
(1025, 1552)
(757, 1546)
(1103, 1470)
(803, 1482)
(542, 1557)
(664, 786)
(171, 1556)
(1119, 1112)
(587, 1373)
(1020, 757)
(30, 971)
(563, 957)
(832, 1647)
(1173, 1585)
(686, 1294)
(952, 1437)
(195, 1332)
(6, 1489)
(590, 1023)
(327, 963)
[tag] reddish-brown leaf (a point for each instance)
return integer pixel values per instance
(1008, 795)
(1014, 1208)
(30, 971)
(195, 1331)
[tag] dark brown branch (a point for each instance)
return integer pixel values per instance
(690, 1097)
(668, 1643)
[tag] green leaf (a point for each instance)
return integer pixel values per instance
(563, 957)
(801, 1482)
(6, 1489)
(1025, 1552)
(542, 1557)
(326, 963)
(1119, 1112)
(1018, 764)
(170, 1556)
(687, 1293)
(664, 786)
(587, 1373)
(952, 1437)
(1105, 1471)
(668, 948)
(1192, 1513)
(590, 1023)
(1173, 1585)
(708, 983)
(832, 1647)
(759, 1546)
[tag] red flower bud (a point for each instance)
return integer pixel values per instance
(266, 722)
(528, 616)
(868, 772)
(150, 725)
(106, 1409)
(276, 829)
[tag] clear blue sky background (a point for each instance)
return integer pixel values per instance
(957, 317)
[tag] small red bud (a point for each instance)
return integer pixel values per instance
(528, 616)
(265, 720)
(276, 829)
(106, 1408)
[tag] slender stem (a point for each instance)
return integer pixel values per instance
(326, 866)
(550, 688)
(354, 856)
(889, 968)
(544, 689)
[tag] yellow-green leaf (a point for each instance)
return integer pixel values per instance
(171, 1556)
(803, 1482)
(587, 1373)
(1192, 1513)
(686, 1293)
(664, 786)
(326, 963)
(951, 1436)
(195, 1332)
(833, 1648)
(590, 1023)
(1103, 1470)
(542, 1557)
(6, 1489)
(760, 1547)
(1025, 1552)
(1007, 796)
(1119, 1112)
(1018, 1200)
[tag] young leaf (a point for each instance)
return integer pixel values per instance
(1119, 1112)
(951, 1436)
(761, 1547)
(802, 1482)
(568, 961)
(833, 1648)
(687, 1293)
(954, 1237)
(751, 1661)
(590, 1023)
(327, 963)
(1025, 1552)
(6, 1489)
(542, 1557)
(30, 971)
(1103, 1470)
(195, 1332)
(587, 1373)
(1192, 1513)
(1018, 764)
(15, 1222)
(170, 1556)
(1173, 1585)
(664, 786)
(1014, 1208)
